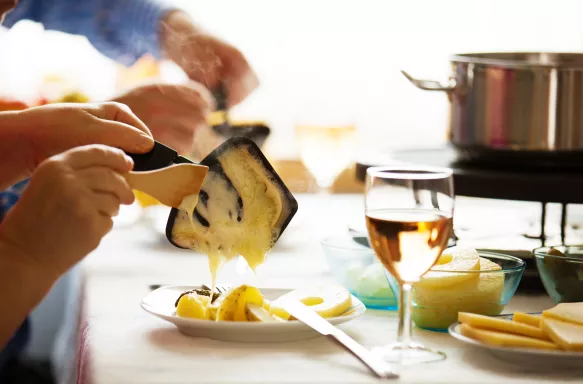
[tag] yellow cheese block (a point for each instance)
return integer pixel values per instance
(484, 288)
(451, 260)
(502, 325)
(568, 336)
(569, 312)
(437, 307)
(500, 339)
(526, 318)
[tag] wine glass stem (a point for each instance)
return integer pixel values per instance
(404, 335)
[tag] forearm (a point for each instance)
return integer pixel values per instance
(123, 30)
(15, 156)
(22, 287)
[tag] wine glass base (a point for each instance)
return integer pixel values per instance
(408, 354)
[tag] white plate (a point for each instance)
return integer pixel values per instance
(524, 356)
(160, 303)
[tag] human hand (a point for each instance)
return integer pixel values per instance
(68, 207)
(207, 59)
(30, 136)
(172, 112)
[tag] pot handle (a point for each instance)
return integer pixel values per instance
(431, 85)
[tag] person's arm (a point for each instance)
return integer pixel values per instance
(22, 287)
(14, 150)
(123, 30)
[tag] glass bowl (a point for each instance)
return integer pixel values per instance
(355, 266)
(562, 275)
(439, 296)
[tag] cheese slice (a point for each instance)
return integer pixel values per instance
(568, 336)
(527, 318)
(501, 339)
(569, 312)
(501, 325)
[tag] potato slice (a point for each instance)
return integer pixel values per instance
(256, 312)
(231, 305)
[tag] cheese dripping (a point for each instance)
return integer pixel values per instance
(234, 214)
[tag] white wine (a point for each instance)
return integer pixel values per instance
(326, 150)
(408, 241)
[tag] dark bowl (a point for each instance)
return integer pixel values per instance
(255, 131)
(562, 275)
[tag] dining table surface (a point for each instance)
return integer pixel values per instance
(122, 343)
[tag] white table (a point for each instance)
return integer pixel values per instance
(127, 345)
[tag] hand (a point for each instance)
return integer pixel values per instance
(67, 207)
(173, 113)
(207, 59)
(29, 137)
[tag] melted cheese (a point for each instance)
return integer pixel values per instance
(232, 231)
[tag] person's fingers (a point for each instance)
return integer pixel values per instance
(106, 204)
(239, 87)
(103, 224)
(118, 127)
(177, 133)
(104, 180)
(185, 98)
(112, 110)
(235, 72)
(98, 155)
(200, 96)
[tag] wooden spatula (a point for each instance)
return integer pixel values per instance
(169, 185)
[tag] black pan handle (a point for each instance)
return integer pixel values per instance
(159, 157)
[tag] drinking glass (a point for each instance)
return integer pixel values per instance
(326, 150)
(409, 212)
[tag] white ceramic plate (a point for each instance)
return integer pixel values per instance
(524, 356)
(160, 303)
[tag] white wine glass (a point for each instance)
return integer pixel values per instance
(326, 134)
(409, 212)
(326, 150)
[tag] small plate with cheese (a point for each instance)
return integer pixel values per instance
(249, 314)
(551, 338)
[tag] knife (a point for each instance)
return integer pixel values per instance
(301, 312)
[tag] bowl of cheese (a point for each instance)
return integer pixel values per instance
(463, 280)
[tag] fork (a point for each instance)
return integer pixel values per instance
(219, 288)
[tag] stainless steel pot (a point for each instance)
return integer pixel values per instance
(528, 106)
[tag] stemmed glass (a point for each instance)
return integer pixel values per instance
(409, 212)
(326, 150)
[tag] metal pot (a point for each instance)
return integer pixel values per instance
(527, 107)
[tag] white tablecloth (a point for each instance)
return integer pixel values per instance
(124, 344)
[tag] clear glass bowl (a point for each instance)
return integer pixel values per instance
(439, 296)
(562, 276)
(356, 267)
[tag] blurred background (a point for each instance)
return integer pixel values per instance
(344, 53)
